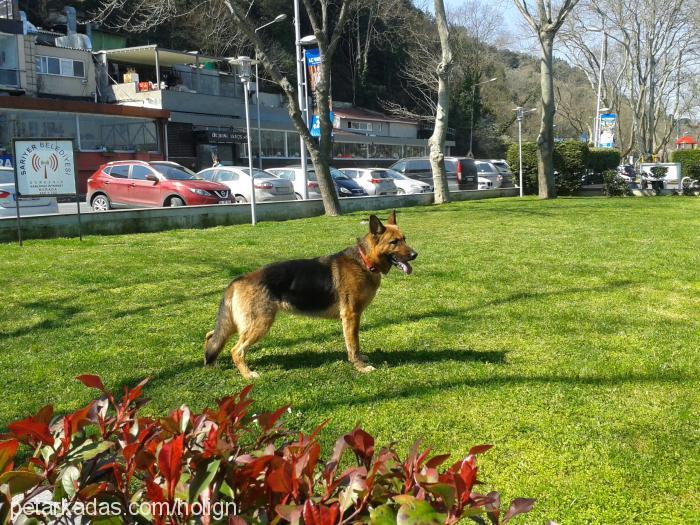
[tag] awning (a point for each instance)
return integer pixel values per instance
(146, 55)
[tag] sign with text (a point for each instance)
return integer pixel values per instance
(44, 167)
(606, 135)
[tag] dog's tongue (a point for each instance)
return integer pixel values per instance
(404, 267)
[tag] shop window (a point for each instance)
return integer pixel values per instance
(349, 151)
(385, 151)
(114, 134)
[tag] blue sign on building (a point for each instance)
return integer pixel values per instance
(6, 161)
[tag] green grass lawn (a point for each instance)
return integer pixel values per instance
(566, 333)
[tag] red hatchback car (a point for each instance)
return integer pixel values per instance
(138, 184)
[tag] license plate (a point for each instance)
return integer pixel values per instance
(224, 202)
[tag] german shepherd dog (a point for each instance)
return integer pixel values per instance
(335, 286)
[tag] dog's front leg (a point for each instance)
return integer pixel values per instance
(351, 331)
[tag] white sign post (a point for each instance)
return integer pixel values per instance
(45, 168)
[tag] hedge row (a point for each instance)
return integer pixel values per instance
(571, 160)
(690, 162)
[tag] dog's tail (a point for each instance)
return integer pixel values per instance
(225, 327)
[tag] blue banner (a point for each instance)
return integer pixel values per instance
(606, 134)
(6, 161)
(316, 125)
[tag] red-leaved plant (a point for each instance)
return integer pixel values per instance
(109, 465)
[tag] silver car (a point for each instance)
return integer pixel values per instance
(28, 205)
(375, 181)
(267, 186)
(487, 170)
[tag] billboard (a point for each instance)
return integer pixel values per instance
(606, 133)
(313, 66)
(44, 167)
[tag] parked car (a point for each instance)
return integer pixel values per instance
(345, 186)
(408, 185)
(375, 181)
(504, 169)
(139, 184)
(485, 183)
(27, 205)
(461, 169)
(268, 187)
(294, 175)
(488, 171)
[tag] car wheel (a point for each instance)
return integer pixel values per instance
(299, 197)
(176, 202)
(240, 199)
(101, 203)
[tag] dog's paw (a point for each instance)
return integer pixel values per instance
(365, 369)
(251, 375)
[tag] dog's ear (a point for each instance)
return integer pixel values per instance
(375, 225)
(392, 218)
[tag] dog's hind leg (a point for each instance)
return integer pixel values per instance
(225, 327)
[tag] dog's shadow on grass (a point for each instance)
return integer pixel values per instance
(310, 359)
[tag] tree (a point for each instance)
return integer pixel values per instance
(545, 26)
(650, 54)
(144, 14)
(436, 143)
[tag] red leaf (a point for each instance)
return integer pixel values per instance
(361, 443)
(436, 461)
(170, 463)
(479, 449)
(268, 419)
(91, 381)
(518, 506)
(320, 514)
(34, 429)
(280, 479)
(8, 449)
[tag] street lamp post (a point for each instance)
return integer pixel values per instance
(520, 115)
(244, 63)
(300, 95)
(278, 18)
(471, 124)
(601, 66)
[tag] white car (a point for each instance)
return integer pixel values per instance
(407, 184)
(488, 171)
(28, 205)
(375, 181)
(485, 183)
(294, 175)
(267, 186)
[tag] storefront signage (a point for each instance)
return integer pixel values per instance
(222, 136)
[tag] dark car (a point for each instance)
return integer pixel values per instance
(138, 184)
(345, 185)
(462, 169)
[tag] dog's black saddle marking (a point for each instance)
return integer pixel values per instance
(306, 284)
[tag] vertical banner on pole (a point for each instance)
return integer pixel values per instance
(45, 167)
(313, 67)
(606, 130)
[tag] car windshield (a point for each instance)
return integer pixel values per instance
(484, 168)
(338, 175)
(396, 175)
(377, 174)
(259, 174)
(172, 172)
(6, 176)
(310, 175)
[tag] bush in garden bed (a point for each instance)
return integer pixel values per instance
(125, 468)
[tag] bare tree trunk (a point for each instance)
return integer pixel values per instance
(437, 139)
(545, 26)
(545, 140)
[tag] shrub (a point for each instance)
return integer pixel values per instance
(602, 159)
(569, 161)
(107, 458)
(529, 165)
(614, 185)
(689, 161)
